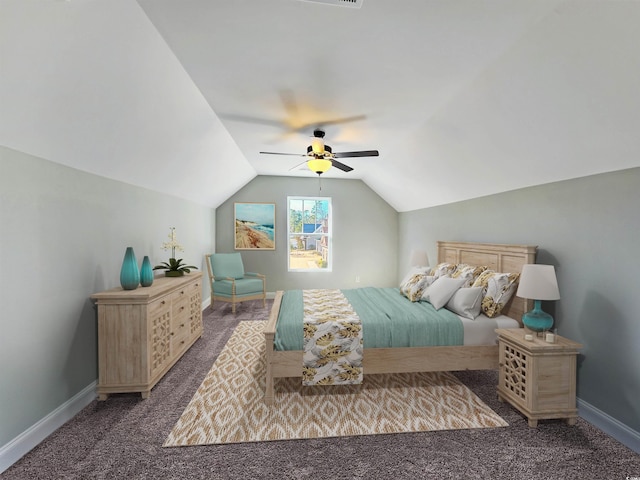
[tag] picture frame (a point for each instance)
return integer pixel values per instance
(254, 226)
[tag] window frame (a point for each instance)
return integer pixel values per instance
(329, 234)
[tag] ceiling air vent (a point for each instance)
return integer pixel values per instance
(339, 3)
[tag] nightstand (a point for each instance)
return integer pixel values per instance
(536, 377)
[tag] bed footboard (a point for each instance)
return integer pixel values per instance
(269, 337)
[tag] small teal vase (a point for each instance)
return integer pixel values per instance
(536, 319)
(146, 272)
(129, 273)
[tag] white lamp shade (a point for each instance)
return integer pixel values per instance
(538, 282)
(419, 258)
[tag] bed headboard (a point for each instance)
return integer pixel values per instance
(501, 258)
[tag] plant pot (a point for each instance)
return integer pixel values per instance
(173, 273)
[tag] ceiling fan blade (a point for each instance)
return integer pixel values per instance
(279, 153)
(288, 99)
(341, 166)
(364, 153)
(336, 121)
(298, 166)
(247, 119)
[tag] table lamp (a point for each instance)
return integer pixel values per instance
(537, 283)
(419, 258)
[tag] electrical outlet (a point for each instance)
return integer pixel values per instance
(357, 278)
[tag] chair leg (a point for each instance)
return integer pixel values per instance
(233, 307)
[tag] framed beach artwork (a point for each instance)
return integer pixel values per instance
(255, 226)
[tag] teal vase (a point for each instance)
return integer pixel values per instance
(146, 272)
(129, 273)
(536, 319)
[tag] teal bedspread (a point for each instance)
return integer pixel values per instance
(389, 320)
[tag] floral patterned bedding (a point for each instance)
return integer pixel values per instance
(332, 339)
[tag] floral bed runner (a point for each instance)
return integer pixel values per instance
(332, 339)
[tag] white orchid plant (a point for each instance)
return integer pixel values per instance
(174, 267)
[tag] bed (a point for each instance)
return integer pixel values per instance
(474, 356)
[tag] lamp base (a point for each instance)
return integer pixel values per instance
(536, 319)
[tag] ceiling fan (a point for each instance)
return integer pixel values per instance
(297, 119)
(321, 157)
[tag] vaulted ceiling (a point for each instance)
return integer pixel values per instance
(463, 98)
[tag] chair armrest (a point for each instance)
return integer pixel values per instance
(231, 279)
(251, 274)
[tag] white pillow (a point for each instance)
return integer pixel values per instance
(466, 302)
(441, 290)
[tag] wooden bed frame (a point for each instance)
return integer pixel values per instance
(501, 258)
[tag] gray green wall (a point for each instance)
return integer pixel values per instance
(589, 228)
(365, 233)
(63, 234)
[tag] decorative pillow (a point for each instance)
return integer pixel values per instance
(468, 272)
(441, 290)
(443, 270)
(498, 290)
(416, 291)
(466, 302)
(411, 282)
(413, 271)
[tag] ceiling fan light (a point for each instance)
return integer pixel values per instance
(317, 146)
(319, 165)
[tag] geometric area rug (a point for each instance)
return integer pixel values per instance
(228, 406)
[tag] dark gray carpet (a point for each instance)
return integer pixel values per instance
(122, 438)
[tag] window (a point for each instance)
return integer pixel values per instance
(309, 230)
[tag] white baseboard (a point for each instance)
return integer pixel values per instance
(609, 425)
(206, 303)
(27, 440)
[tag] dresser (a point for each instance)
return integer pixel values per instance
(142, 333)
(538, 377)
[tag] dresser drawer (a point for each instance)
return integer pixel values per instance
(160, 307)
(180, 308)
(179, 340)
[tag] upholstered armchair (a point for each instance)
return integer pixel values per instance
(230, 283)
